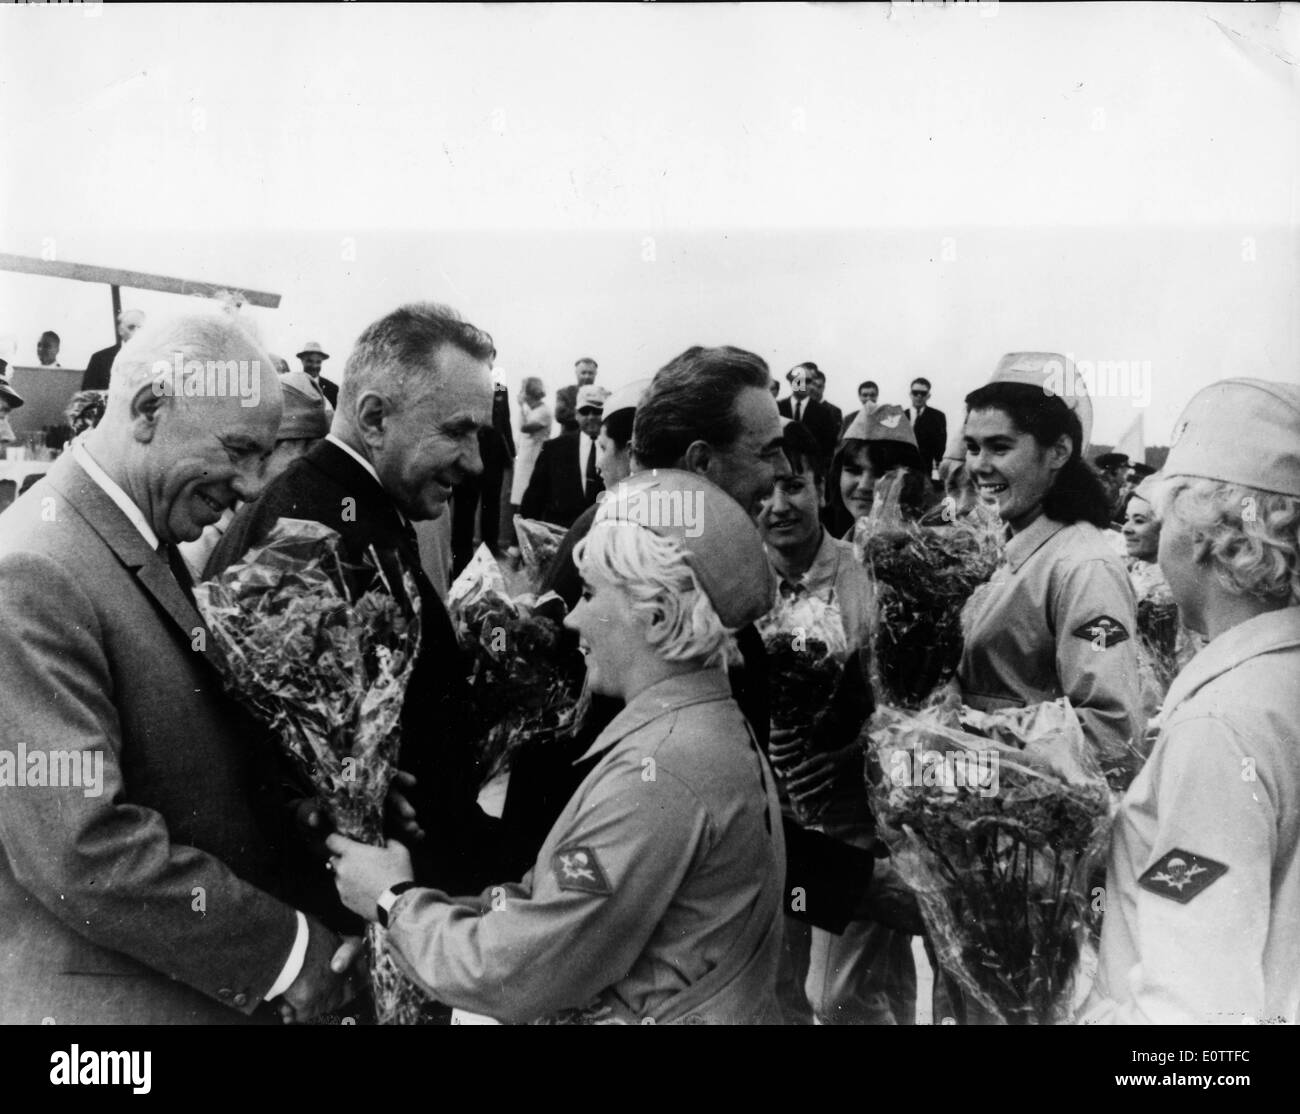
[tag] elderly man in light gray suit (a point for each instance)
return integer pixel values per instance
(140, 866)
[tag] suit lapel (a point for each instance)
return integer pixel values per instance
(116, 531)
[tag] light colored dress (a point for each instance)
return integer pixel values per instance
(530, 447)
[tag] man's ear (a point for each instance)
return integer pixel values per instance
(698, 457)
(371, 418)
(146, 408)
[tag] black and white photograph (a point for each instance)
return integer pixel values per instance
(650, 514)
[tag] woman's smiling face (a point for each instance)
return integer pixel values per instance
(1008, 467)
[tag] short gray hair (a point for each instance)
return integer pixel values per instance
(202, 332)
(396, 352)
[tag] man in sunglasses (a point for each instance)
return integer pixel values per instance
(929, 425)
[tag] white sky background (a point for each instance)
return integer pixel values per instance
(888, 191)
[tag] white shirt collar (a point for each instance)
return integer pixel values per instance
(120, 497)
(354, 455)
(367, 466)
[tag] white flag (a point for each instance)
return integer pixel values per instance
(1133, 444)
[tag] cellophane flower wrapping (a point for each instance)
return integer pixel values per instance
(997, 821)
(806, 649)
(923, 576)
(321, 652)
(538, 543)
(524, 682)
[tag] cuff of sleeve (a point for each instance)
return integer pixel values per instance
(293, 965)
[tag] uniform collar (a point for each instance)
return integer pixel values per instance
(662, 699)
(1030, 540)
(1264, 634)
(825, 564)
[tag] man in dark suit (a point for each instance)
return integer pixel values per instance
(496, 447)
(928, 424)
(393, 455)
(565, 480)
(817, 389)
(566, 398)
(101, 363)
(803, 407)
(143, 876)
(313, 358)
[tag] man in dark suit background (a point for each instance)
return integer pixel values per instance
(817, 389)
(928, 424)
(803, 407)
(143, 878)
(101, 363)
(416, 391)
(478, 498)
(566, 398)
(565, 481)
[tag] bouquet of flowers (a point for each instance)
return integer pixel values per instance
(538, 543)
(524, 682)
(806, 648)
(996, 823)
(923, 575)
(321, 652)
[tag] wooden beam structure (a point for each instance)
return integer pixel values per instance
(115, 278)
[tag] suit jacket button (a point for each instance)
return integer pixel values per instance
(241, 999)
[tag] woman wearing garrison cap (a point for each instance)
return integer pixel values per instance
(1202, 920)
(1058, 617)
(657, 894)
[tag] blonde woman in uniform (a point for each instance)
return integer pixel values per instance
(657, 894)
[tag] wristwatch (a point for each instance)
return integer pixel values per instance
(386, 899)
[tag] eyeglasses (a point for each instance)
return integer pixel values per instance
(919, 392)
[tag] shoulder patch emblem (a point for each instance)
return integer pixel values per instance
(577, 868)
(1103, 632)
(1180, 875)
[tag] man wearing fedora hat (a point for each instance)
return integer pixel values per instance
(313, 357)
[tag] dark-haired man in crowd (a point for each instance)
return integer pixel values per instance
(804, 407)
(566, 398)
(930, 426)
(47, 349)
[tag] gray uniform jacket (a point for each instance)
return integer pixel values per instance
(1058, 619)
(1202, 916)
(656, 895)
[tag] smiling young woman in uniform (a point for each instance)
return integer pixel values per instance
(1058, 618)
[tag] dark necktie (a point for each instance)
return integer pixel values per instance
(593, 477)
(180, 570)
(798, 411)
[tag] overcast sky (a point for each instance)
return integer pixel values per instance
(889, 191)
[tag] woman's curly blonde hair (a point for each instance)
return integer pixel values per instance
(1249, 539)
(652, 572)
